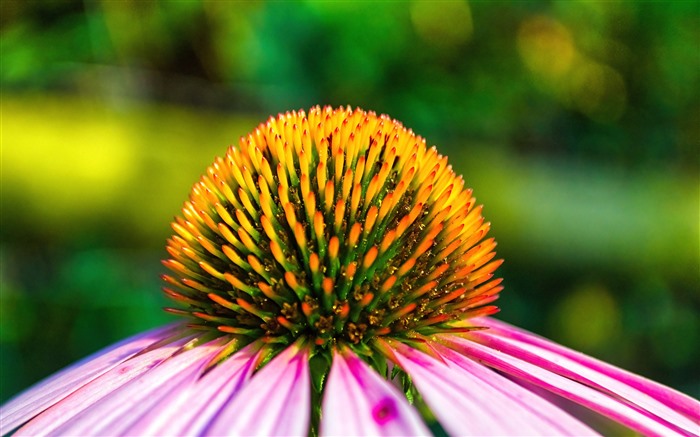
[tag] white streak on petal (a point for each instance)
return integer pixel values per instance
(578, 372)
(466, 405)
(635, 388)
(359, 402)
(189, 408)
(612, 407)
(277, 401)
(52, 418)
(558, 421)
(114, 413)
(58, 386)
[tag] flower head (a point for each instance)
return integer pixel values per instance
(338, 228)
(336, 279)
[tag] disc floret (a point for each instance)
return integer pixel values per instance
(336, 226)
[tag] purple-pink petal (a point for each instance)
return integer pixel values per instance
(114, 413)
(613, 407)
(60, 385)
(468, 403)
(61, 412)
(276, 401)
(586, 375)
(359, 402)
(558, 419)
(673, 399)
(189, 408)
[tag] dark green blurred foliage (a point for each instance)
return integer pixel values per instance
(576, 122)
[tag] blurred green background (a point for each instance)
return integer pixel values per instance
(577, 123)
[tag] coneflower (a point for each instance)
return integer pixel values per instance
(336, 279)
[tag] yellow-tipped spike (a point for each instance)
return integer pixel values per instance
(388, 240)
(329, 196)
(196, 285)
(355, 199)
(234, 257)
(305, 185)
(258, 267)
(359, 170)
(370, 257)
(372, 189)
(245, 200)
(321, 178)
(310, 204)
(211, 270)
(282, 177)
(406, 267)
(370, 219)
(354, 236)
(225, 216)
(223, 302)
(438, 271)
(266, 171)
(387, 205)
(248, 242)
(225, 232)
(290, 215)
(279, 255)
(238, 284)
(333, 246)
(247, 226)
(327, 286)
(318, 226)
(268, 228)
(182, 231)
(339, 215)
(351, 270)
(266, 202)
(386, 286)
(300, 235)
(314, 263)
(210, 247)
(339, 158)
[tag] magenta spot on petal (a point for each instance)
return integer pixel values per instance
(384, 411)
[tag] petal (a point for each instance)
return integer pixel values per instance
(557, 418)
(612, 407)
(277, 401)
(667, 398)
(357, 401)
(114, 413)
(189, 408)
(52, 418)
(58, 386)
(467, 403)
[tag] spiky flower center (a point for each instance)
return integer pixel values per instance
(337, 226)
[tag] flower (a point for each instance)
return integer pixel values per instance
(336, 280)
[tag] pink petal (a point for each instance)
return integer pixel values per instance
(578, 372)
(666, 396)
(50, 419)
(612, 407)
(114, 413)
(189, 408)
(277, 401)
(467, 403)
(558, 419)
(357, 401)
(58, 386)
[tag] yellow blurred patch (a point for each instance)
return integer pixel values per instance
(446, 24)
(546, 47)
(588, 318)
(60, 159)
